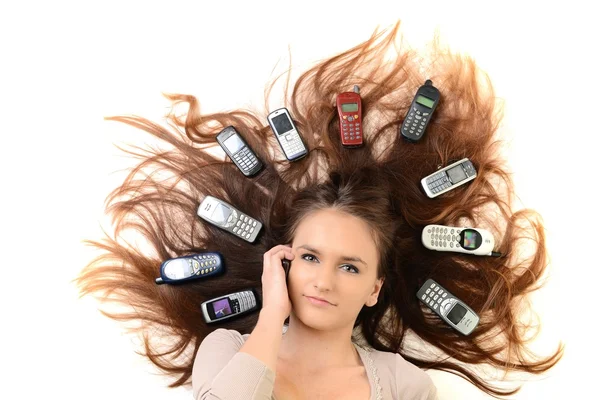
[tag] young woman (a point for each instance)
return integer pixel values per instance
(350, 221)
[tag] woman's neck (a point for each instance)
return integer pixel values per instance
(313, 350)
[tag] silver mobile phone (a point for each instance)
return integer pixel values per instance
(287, 134)
(452, 310)
(229, 306)
(238, 150)
(223, 215)
(449, 178)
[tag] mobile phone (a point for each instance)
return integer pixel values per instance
(192, 267)
(475, 241)
(419, 114)
(223, 215)
(287, 134)
(238, 150)
(452, 310)
(349, 108)
(287, 264)
(229, 306)
(448, 178)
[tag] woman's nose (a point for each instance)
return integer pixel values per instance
(324, 278)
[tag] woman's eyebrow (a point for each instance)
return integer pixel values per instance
(344, 258)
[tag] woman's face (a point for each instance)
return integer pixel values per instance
(335, 259)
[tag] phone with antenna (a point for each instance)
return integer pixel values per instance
(477, 241)
(349, 108)
(420, 112)
(225, 216)
(229, 306)
(287, 134)
(449, 178)
(448, 307)
(238, 150)
(190, 268)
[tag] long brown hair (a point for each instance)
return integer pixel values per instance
(379, 182)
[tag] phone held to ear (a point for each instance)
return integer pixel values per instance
(189, 268)
(223, 215)
(229, 306)
(349, 108)
(287, 264)
(419, 114)
(449, 178)
(448, 307)
(287, 134)
(238, 150)
(475, 241)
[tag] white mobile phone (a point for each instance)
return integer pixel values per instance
(452, 310)
(227, 217)
(287, 134)
(460, 240)
(448, 178)
(229, 306)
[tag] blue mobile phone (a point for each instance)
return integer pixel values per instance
(191, 267)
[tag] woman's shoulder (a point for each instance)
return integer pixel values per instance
(408, 379)
(225, 337)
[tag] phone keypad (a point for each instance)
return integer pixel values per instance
(351, 128)
(243, 301)
(204, 264)
(246, 159)
(434, 296)
(292, 145)
(415, 122)
(438, 182)
(245, 226)
(443, 237)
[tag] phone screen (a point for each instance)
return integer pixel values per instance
(282, 124)
(221, 213)
(424, 101)
(178, 268)
(456, 314)
(219, 308)
(349, 107)
(457, 174)
(233, 143)
(470, 240)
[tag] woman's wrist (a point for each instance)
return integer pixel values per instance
(272, 315)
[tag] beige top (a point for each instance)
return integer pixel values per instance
(221, 372)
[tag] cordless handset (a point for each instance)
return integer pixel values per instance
(449, 178)
(475, 241)
(229, 306)
(452, 310)
(238, 150)
(192, 267)
(349, 108)
(420, 112)
(287, 134)
(223, 215)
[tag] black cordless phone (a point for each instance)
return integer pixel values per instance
(420, 112)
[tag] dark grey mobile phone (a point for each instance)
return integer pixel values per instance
(238, 150)
(420, 112)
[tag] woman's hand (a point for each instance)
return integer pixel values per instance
(274, 288)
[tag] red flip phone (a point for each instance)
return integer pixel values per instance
(350, 114)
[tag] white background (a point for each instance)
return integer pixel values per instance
(65, 66)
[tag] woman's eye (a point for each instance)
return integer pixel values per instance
(309, 257)
(352, 268)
